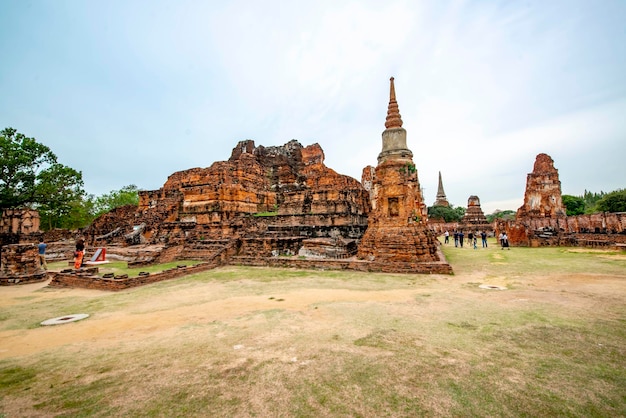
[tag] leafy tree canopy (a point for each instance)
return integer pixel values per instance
(31, 176)
(500, 214)
(613, 202)
(127, 195)
(591, 198)
(574, 205)
(447, 213)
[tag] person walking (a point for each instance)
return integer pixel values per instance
(79, 253)
(475, 240)
(483, 236)
(461, 236)
(500, 238)
(42, 253)
(456, 238)
(446, 237)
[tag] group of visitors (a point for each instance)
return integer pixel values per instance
(79, 253)
(472, 238)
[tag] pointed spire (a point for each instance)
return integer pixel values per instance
(393, 113)
(441, 195)
(440, 191)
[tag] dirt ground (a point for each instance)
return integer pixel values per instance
(154, 316)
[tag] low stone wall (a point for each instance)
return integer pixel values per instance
(434, 267)
(301, 263)
(92, 281)
(591, 230)
(24, 278)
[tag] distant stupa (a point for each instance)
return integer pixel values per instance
(441, 199)
(474, 216)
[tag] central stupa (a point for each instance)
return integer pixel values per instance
(397, 238)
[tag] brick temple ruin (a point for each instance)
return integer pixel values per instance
(281, 205)
(19, 261)
(542, 219)
(397, 237)
(474, 218)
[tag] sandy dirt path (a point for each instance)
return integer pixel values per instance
(197, 304)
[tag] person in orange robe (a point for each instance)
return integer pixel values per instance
(79, 253)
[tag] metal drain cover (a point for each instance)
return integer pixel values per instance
(491, 287)
(65, 319)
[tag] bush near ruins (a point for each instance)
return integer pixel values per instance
(613, 202)
(574, 205)
(592, 202)
(501, 214)
(127, 195)
(448, 214)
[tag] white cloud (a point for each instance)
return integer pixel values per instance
(482, 87)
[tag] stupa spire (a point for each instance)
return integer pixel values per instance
(441, 195)
(394, 135)
(393, 112)
(440, 191)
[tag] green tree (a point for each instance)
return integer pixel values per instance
(58, 193)
(460, 212)
(447, 213)
(500, 214)
(81, 214)
(591, 199)
(574, 205)
(31, 176)
(613, 202)
(127, 195)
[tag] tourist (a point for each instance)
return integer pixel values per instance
(470, 237)
(475, 240)
(79, 253)
(483, 236)
(456, 238)
(42, 253)
(446, 237)
(505, 242)
(500, 237)
(461, 235)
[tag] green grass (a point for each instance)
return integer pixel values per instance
(247, 341)
(265, 214)
(121, 267)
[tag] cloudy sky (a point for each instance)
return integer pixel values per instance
(130, 91)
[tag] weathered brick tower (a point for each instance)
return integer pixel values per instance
(397, 238)
(542, 198)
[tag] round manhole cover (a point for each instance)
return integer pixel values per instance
(491, 287)
(65, 319)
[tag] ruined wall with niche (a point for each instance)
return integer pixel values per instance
(21, 221)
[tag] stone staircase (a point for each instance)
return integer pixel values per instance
(206, 249)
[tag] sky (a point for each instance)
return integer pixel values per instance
(129, 92)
